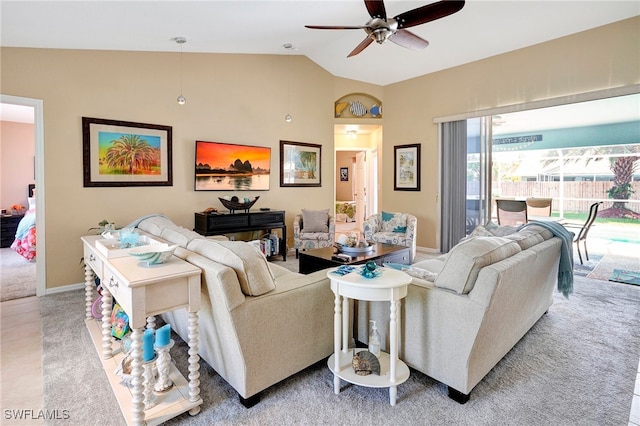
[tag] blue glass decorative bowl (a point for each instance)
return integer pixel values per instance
(153, 254)
(370, 270)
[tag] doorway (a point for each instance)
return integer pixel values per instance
(38, 161)
(356, 174)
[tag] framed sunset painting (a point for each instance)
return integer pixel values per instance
(231, 167)
(124, 153)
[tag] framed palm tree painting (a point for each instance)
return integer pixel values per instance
(123, 153)
(300, 164)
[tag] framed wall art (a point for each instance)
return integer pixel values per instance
(231, 167)
(123, 153)
(406, 167)
(344, 174)
(300, 164)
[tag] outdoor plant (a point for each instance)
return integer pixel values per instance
(623, 169)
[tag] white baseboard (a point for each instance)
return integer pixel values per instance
(64, 288)
(427, 250)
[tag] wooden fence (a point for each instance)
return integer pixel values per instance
(577, 196)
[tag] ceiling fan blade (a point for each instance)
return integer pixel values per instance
(428, 13)
(409, 40)
(334, 27)
(359, 48)
(376, 9)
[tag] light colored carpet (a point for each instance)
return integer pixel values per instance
(609, 262)
(17, 275)
(576, 366)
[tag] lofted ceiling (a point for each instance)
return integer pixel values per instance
(483, 28)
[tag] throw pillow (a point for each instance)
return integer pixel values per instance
(500, 231)
(250, 265)
(465, 260)
(394, 222)
(526, 238)
(315, 220)
(155, 224)
(179, 235)
(480, 231)
(540, 230)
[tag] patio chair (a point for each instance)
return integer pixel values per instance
(584, 230)
(539, 206)
(511, 212)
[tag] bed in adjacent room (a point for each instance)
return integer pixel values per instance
(25, 241)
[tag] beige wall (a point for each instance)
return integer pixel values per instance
(344, 189)
(603, 58)
(242, 99)
(230, 98)
(17, 153)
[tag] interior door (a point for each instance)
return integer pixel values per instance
(361, 188)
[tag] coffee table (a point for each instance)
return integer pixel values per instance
(319, 259)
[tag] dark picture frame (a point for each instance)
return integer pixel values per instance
(107, 148)
(344, 174)
(406, 167)
(300, 164)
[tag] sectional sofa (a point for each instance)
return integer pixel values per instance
(465, 310)
(259, 323)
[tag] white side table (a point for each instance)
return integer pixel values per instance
(143, 292)
(390, 286)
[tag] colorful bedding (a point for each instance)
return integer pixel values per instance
(25, 242)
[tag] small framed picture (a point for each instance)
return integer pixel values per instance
(406, 167)
(344, 174)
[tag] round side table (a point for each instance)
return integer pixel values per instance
(390, 286)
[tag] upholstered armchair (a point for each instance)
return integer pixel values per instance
(313, 229)
(392, 228)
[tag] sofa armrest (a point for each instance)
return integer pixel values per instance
(332, 229)
(371, 226)
(297, 224)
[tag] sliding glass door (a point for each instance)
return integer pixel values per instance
(478, 165)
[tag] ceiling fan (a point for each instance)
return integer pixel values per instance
(380, 28)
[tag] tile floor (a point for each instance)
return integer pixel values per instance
(21, 362)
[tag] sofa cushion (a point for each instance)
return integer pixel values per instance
(465, 260)
(249, 264)
(315, 220)
(394, 222)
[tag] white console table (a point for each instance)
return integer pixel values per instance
(143, 292)
(390, 286)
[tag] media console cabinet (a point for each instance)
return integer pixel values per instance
(208, 224)
(143, 292)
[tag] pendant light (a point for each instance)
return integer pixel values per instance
(288, 118)
(181, 99)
